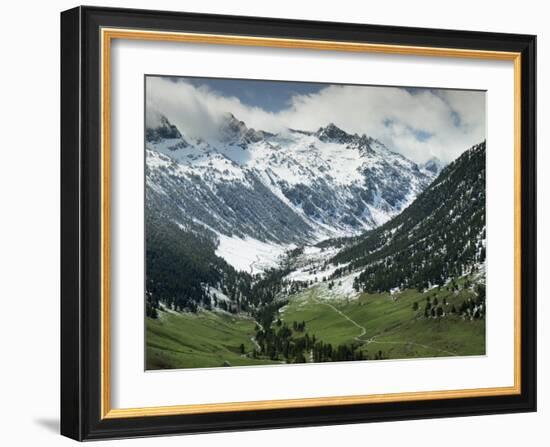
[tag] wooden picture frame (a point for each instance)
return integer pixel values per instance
(86, 37)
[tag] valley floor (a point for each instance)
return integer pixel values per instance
(388, 323)
(381, 325)
(205, 339)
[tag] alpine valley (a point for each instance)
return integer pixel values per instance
(308, 246)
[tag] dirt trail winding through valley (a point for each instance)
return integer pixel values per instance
(342, 314)
(373, 338)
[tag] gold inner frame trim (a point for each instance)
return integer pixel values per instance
(107, 35)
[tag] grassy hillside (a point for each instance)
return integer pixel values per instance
(204, 339)
(388, 323)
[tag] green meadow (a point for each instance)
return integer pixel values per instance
(383, 323)
(388, 323)
(205, 339)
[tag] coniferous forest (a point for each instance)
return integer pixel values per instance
(441, 235)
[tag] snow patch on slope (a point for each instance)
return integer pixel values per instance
(250, 255)
(310, 265)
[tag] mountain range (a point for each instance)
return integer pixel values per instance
(293, 187)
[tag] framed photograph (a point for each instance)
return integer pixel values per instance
(274, 223)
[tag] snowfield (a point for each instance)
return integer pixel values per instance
(309, 264)
(250, 255)
(341, 290)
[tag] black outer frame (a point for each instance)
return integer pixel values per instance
(80, 223)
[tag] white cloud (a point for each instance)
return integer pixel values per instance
(419, 124)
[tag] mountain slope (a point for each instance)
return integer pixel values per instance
(441, 235)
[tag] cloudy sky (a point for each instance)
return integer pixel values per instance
(419, 123)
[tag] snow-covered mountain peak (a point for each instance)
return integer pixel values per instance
(332, 133)
(166, 134)
(164, 130)
(434, 165)
(231, 128)
(365, 144)
(236, 132)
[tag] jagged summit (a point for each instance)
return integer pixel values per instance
(231, 128)
(333, 133)
(235, 131)
(166, 132)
